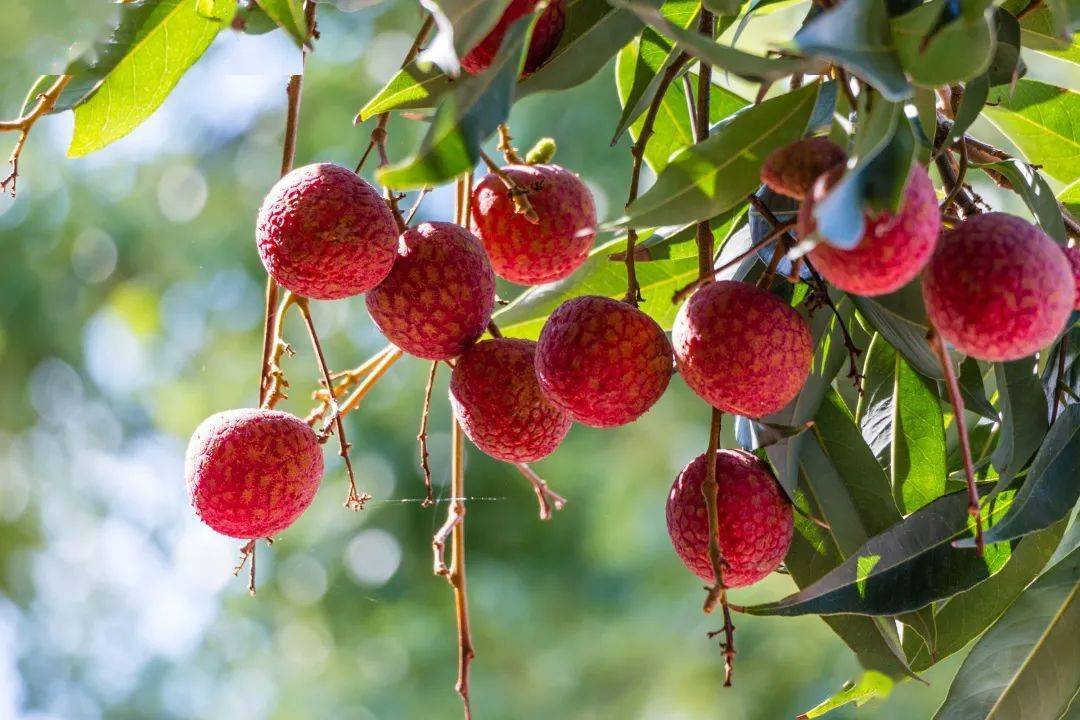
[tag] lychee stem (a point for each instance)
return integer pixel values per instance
(354, 500)
(345, 380)
(422, 436)
(545, 496)
(709, 491)
(938, 346)
(776, 232)
(274, 375)
(506, 146)
(392, 355)
(705, 240)
(519, 196)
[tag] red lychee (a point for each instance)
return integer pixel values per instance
(893, 249)
(438, 297)
(498, 402)
(532, 253)
(792, 169)
(325, 233)
(1072, 254)
(252, 472)
(602, 361)
(998, 288)
(741, 349)
(754, 518)
(545, 36)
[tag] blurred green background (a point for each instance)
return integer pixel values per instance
(130, 308)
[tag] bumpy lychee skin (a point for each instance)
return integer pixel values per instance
(792, 169)
(1072, 254)
(755, 521)
(893, 249)
(602, 362)
(325, 233)
(498, 402)
(998, 288)
(527, 253)
(438, 298)
(545, 36)
(251, 473)
(741, 349)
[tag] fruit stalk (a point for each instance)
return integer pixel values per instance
(45, 102)
(709, 489)
(706, 26)
(422, 436)
(545, 496)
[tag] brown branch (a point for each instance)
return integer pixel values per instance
(354, 500)
(706, 27)
(717, 593)
(637, 150)
(274, 389)
(545, 496)
(938, 346)
(519, 195)
(46, 101)
(422, 437)
(506, 146)
(961, 195)
(957, 180)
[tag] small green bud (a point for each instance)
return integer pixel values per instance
(541, 152)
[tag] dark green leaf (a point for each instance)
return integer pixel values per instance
(901, 318)
(973, 390)
(1029, 184)
(1006, 59)
(1054, 387)
(1023, 417)
(971, 104)
(959, 50)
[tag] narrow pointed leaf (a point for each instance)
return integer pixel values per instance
(412, 87)
(289, 15)
(1023, 417)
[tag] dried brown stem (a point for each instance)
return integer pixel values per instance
(957, 180)
(274, 389)
(519, 195)
(247, 553)
(46, 101)
(393, 354)
(422, 437)
(506, 146)
(709, 491)
(728, 645)
(354, 500)
(545, 496)
(938, 346)
(345, 381)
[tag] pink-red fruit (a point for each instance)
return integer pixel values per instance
(438, 298)
(893, 249)
(754, 520)
(602, 361)
(530, 253)
(250, 473)
(1072, 254)
(498, 402)
(325, 233)
(998, 288)
(741, 349)
(792, 169)
(545, 36)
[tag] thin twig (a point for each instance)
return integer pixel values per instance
(275, 374)
(247, 552)
(354, 500)
(353, 401)
(937, 344)
(706, 27)
(416, 206)
(776, 232)
(545, 496)
(821, 296)
(1059, 386)
(958, 180)
(422, 437)
(344, 382)
(506, 146)
(46, 101)
(709, 491)
(519, 195)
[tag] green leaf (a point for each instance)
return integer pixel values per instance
(152, 47)
(1029, 184)
(1023, 417)
(461, 25)
(870, 685)
(973, 390)
(1043, 121)
(718, 173)
(901, 318)
(465, 118)
(595, 31)
(1051, 487)
(1028, 664)
(289, 15)
(856, 34)
(964, 617)
(418, 85)
(1006, 61)
(907, 567)
(960, 50)
(1070, 198)
(1069, 343)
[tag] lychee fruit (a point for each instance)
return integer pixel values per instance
(998, 288)
(530, 253)
(792, 169)
(438, 297)
(602, 361)
(252, 472)
(742, 349)
(754, 519)
(498, 402)
(546, 34)
(325, 233)
(893, 248)
(1072, 254)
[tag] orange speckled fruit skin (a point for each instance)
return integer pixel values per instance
(250, 473)
(527, 253)
(742, 349)
(325, 233)
(603, 362)
(998, 288)
(1072, 254)
(755, 521)
(498, 402)
(545, 36)
(792, 169)
(438, 298)
(893, 249)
